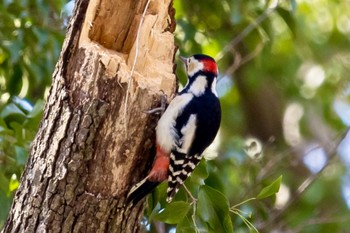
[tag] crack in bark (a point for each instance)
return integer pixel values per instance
(74, 29)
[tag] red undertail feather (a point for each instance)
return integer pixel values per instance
(160, 167)
(158, 174)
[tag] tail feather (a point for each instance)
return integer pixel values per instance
(158, 174)
(140, 190)
(180, 172)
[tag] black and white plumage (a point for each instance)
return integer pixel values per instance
(187, 127)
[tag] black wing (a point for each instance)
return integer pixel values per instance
(207, 111)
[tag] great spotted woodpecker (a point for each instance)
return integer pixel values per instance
(187, 127)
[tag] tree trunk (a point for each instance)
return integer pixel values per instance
(94, 140)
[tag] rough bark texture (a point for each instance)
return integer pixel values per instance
(88, 151)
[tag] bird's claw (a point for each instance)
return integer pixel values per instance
(163, 105)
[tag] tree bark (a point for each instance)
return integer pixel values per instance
(92, 146)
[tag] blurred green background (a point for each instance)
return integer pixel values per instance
(31, 38)
(285, 93)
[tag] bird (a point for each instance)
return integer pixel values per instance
(187, 127)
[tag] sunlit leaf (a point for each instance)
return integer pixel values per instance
(271, 189)
(13, 185)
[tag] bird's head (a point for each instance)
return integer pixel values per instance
(200, 63)
(202, 72)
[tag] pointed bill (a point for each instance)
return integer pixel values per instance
(183, 59)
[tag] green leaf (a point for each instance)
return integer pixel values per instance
(5, 201)
(288, 18)
(11, 109)
(23, 104)
(153, 212)
(4, 183)
(19, 132)
(13, 47)
(14, 183)
(213, 208)
(185, 226)
(159, 195)
(37, 109)
(200, 173)
(271, 189)
(21, 155)
(173, 212)
(293, 4)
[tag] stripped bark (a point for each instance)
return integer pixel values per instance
(88, 151)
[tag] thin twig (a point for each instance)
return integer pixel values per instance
(322, 220)
(133, 66)
(239, 61)
(243, 202)
(194, 203)
(194, 216)
(244, 219)
(194, 200)
(332, 151)
(230, 46)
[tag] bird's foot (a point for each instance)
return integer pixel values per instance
(163, 105)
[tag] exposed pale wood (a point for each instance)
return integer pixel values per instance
(82, 164)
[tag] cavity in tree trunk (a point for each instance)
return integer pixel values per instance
(94, 140)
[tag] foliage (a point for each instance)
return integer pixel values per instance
(31, 38)
(285, 98)
(283, 77)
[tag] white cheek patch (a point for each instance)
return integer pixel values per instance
(194, 67)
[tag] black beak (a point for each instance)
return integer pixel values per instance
(183, 59)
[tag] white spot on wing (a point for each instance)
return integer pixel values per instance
(188, 133)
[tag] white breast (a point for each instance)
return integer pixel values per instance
(188, 134)
(166, 134)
